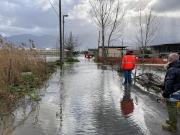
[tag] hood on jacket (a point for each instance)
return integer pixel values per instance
(175, 64)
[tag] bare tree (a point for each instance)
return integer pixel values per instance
(106, 15)
(147, 29)
(71, 43)
(115, 29)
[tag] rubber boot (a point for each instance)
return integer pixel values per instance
(171, 124)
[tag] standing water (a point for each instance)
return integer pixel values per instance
(84, 99)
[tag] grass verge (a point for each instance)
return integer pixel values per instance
(22, 72)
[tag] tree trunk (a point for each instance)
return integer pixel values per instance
(103, 45)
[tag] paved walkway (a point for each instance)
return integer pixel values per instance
(87, 99)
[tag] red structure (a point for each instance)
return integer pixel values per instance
(113, 56)
(88, 55)
(152, 60)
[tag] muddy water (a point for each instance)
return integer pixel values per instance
(81, 99)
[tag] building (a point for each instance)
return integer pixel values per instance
(113, 51)
(92, 51)
(165, 49)
(113, 54)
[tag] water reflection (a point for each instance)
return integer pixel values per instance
(81, 99)
(127, 105)
(10, 121)
(59, 114)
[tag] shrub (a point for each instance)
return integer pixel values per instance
(71, 60)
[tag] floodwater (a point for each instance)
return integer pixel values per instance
(51, 58)
(86, 99)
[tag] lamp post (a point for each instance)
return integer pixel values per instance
(60, 33)
(63, 35)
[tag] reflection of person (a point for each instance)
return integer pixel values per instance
(171, 86)
(127, 105)
(127, 65)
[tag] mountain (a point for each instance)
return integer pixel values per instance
(45, 41)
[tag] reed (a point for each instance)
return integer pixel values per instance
(14, 61)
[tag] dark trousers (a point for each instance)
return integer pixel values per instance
(127, 77)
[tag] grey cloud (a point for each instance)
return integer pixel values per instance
(24, 16)
(12, 30)
(137, 5)
(166, 5)
(85, 31)
(157, 5)
(169, 30)
(29, 17)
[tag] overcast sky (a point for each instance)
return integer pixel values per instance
(37, 17)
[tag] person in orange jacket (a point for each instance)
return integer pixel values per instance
(127, 65)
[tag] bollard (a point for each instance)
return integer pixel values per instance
(178, 107)
(178, 104)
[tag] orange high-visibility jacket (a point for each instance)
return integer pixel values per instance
(128, 62)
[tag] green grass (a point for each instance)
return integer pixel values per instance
(30, 83)
(71, 60)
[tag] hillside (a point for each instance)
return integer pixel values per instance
(45, 41)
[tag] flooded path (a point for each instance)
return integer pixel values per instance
(86, 99)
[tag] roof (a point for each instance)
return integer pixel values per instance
(92, 49)
(173, 44)
(114, 47)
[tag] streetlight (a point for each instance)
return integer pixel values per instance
(63, 35)
(60, 33)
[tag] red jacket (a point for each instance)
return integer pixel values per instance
(128, 62)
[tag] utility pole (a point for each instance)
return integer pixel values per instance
(63, 35)
(99, 40)
(122, 46)
(60, 34)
